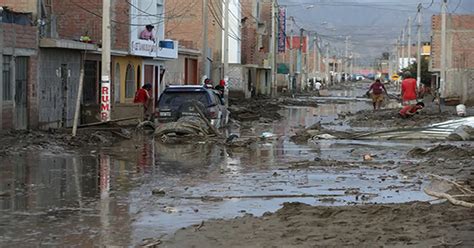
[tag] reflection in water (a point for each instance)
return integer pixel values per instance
(61, 201)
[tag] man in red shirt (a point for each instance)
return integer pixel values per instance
(377, 89)
(409, 95)
(411, 110)
(143, 96)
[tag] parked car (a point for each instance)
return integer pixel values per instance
(178, 101)
(357, 77)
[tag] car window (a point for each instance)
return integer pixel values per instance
(178, 98)
(218, 98)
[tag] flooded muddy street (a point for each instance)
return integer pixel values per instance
(142, 188)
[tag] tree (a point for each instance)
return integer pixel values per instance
(425, 74)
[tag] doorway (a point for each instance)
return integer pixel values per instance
(21, 91)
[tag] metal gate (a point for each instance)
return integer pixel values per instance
(21, 91)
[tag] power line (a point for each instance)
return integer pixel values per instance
(457, 6)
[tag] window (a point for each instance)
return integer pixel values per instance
(7, 84)
(130, 82)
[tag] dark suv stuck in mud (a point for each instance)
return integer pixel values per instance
(178, 101)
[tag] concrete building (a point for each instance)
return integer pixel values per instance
(68, 35)
(301, 66)
(459, 57)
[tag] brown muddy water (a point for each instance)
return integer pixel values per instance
(145, 189)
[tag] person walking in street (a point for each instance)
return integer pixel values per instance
(143, 96)
(317, 86)
(408, 93)
(378, 90)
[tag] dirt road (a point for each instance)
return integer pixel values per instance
(122, 187)
(299, 225)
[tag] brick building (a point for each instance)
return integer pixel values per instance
(68, 35)
(459, 57)
(186, 26)
(250, 39)
(311, 67)
(257, 44)
(18, 63)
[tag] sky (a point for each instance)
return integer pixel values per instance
(373, 25)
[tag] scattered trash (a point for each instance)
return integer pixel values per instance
(151, 243)
(267, 135)
(461, 110)
(368, 157)
(324, 136)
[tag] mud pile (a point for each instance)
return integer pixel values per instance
(60, 140)
(254, 109)
(316, 131)
(387, 118)
(299, 102)
(445, 151)
(444, 160)
(300, 225)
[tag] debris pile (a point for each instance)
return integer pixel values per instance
(444, 151)
(317, 132)
(254, 109)
(187, 125)
(463, 132)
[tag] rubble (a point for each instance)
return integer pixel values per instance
(254, 109)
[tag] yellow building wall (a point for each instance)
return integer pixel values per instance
(123, 63)
(426, 50)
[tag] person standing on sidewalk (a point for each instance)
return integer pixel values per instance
(378, 89)
(143, 96)
(409, 95)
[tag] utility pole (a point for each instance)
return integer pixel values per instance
(418, 57)
(300, 59)
(205, 49)
(403, 49)
(105, 75)
(326, 65)
(1, 65)
(409, 41)
(226, 52)
(315, 55)
(397, 64)
(274, 49)
(319, 58)
(345, 60)
(351, 70)
(292, 59)
(442, 86)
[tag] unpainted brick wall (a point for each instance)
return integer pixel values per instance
(460, 41)
(78, 17)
